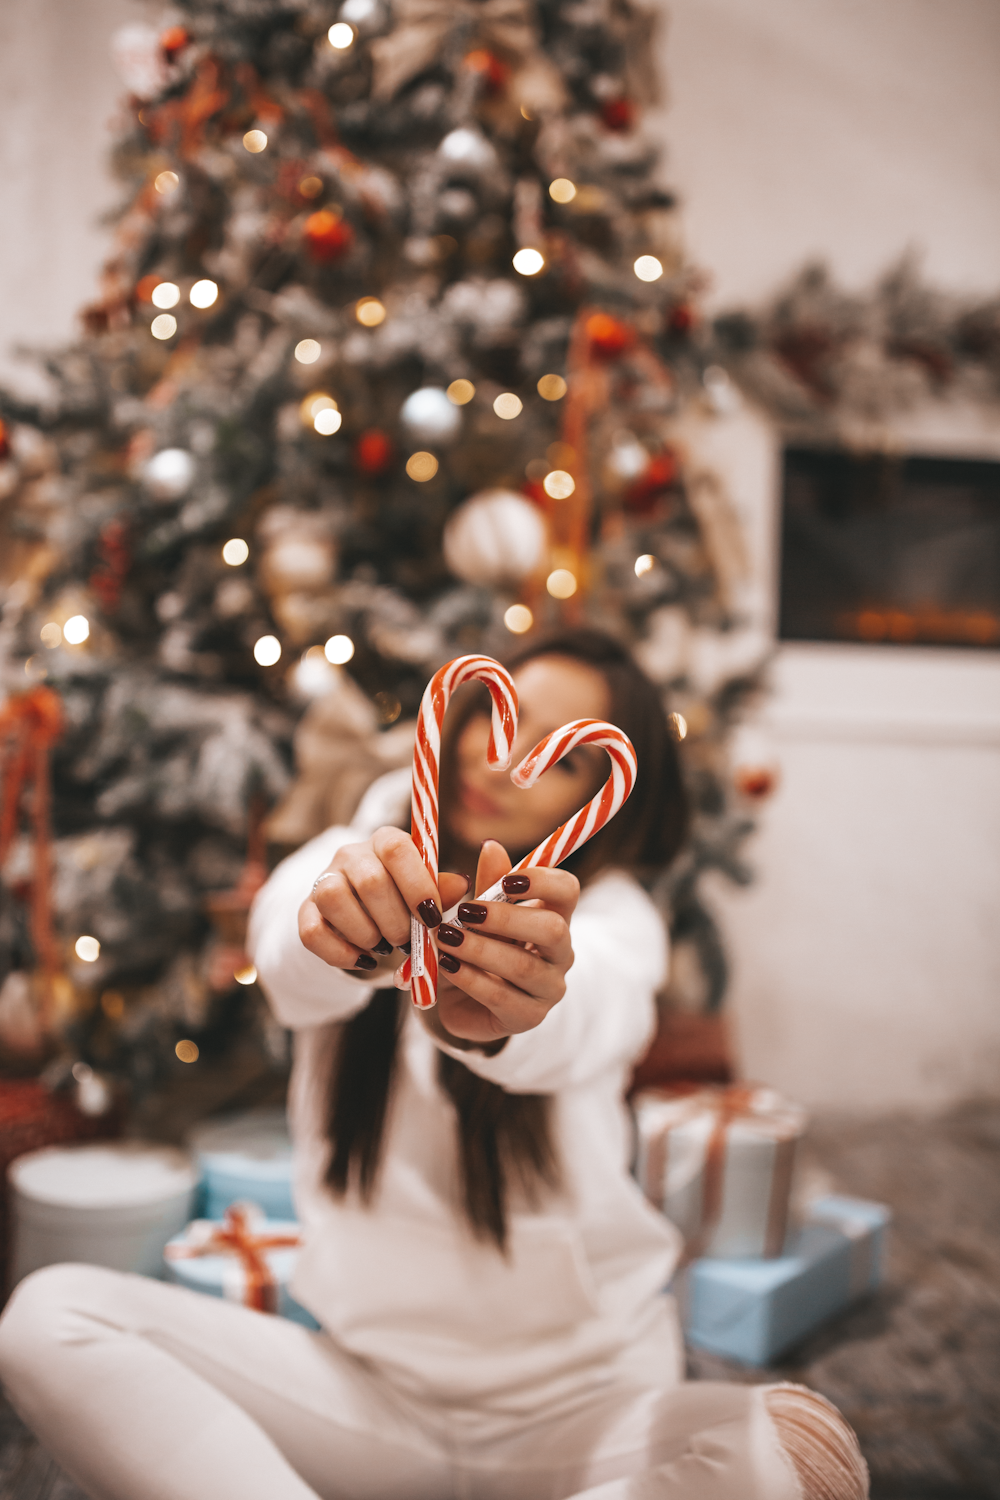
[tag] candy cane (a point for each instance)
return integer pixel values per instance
(423, 963)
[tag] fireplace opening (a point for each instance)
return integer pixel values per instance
(890, 549)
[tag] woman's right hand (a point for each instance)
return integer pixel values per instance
(360, 907)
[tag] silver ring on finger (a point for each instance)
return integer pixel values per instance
(326, 875)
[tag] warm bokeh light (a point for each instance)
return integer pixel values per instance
(87, 948)
(461, 392)
(311, 187)
(204, 293)
(246, 975)
(166, 182)
(338, 650)
(562, 190)
(327, 421)
(421, 466)
(255, 141)
(558, 484)
(187, 1051)
(508, 406)
(388, 707)
(561, 583)
(51, 634)
(528, 262)
(678, 725)
(267, 650)
(369, 311)
(316, 401)
(167, 294)
(648, 268)
(644, 564)
(308, 351)
(235, 551)
(76, 630)
(552, 388)
(164, 326)
(518, 619)
(340, 35)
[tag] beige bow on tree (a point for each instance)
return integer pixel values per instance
(424, 26)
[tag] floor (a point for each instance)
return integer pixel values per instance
(916, 1369)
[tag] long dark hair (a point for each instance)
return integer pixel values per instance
(506, 1139)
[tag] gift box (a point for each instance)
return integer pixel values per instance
(111, 1205)
(245, 1158)
(754, 1310)
(244, 1257)
(718, 1163)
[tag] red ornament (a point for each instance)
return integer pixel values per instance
(491, 69)
(608, 336)
(659, 476)
(618, 114)
(373, 452)
(173, 41)
(755, 782)
(4, 441)
(682, 318)
(116, 558)
(327, 235)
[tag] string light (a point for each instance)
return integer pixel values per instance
(562, 190)
(421, 466)
(235, 551)
(311, 187)
(338, 650)
(167, 294)
(369, 311)
(187, 1051)
(644, 564)
(203, 293)
(340, 36)
(76, 630)
(559, 485)
(255, 141)
(166, 182)
(164, 326)
(552, 388)
(518, 619)
(648, 268)
(308, 351)
(528, 262)
(51, 634)
(267, 650)
(508, 406)
(246, 975)
(461, 392)
(327, 421)
(561, 583)
(87, 948)
(678, 724)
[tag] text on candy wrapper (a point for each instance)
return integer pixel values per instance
(417, 966)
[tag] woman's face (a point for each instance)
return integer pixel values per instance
(485, 804)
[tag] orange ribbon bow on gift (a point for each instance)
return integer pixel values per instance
(236, 1236)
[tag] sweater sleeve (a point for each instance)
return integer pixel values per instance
(302, 990)
(607, 1016)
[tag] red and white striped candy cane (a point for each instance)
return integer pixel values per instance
(423, 963)
(575, 832)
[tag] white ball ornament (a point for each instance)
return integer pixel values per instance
(497, 537)
(467, 149)
(430, 417)
(170, 473)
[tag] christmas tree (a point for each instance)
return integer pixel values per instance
(386, 365)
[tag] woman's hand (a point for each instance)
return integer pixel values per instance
(360, 906)
(505, 967)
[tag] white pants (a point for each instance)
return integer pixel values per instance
(145, 1391)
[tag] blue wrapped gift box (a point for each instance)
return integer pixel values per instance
(753, 1310)
(189, 1261)
(244, 1157)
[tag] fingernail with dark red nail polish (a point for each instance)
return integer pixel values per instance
(472, 911)
(515, 885)
(365, 961)
(450, 935)
(429, 912)
(449, 963)
(404, 948)
(382, 947)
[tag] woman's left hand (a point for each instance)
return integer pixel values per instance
(504, 969)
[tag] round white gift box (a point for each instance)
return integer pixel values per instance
(115, 1204)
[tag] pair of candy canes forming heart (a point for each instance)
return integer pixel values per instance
(421, 969)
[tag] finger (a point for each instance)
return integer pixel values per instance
(494, 861)
(330, 945)
(544, 929)
(525, 969)
(452, 888)
(556, 889)
(511, 1009)
(398, 854)
(360, 901)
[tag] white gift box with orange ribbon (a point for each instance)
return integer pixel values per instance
(244, 1257)
(718, 1162)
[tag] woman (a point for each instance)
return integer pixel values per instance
(488, 1278)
